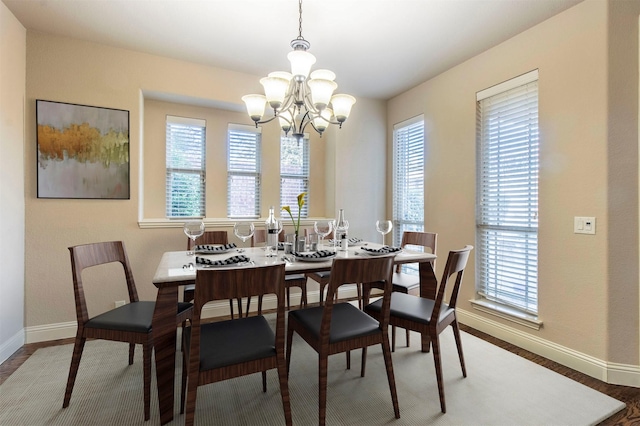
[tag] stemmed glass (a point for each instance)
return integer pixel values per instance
(193, 229)
(244, 231)
(323, 228)
(384, 227)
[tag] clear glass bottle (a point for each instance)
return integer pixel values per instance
(272, 227)
(342, 226)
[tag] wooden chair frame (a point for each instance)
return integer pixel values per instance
(89, 255)
(220, 284)
(346, 271)
(441, 315)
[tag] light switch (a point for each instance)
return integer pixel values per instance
(584, 225)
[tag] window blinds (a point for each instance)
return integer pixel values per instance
(507, 196)
(243, 171)
(185, 167)
(408, 181)
(294, 173)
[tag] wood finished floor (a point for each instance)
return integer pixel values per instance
(629, 395)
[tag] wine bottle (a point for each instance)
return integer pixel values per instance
(342, 226)
(271, 226)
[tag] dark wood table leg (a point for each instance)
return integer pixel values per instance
(164, 341)
(428, 289)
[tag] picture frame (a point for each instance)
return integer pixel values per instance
(82, 151)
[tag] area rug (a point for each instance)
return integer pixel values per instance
(500, 389)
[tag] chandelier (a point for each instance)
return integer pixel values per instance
(301, 97)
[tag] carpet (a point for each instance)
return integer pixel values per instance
(500, 389)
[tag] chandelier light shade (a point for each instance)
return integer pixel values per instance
(301, 97)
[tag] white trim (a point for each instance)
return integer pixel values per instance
(507, 313)
(44, 333)
(409, 122)
(617, 374)
(11, 345)
(186, 121)
(244, 128)
(507, 85)
(151, 223)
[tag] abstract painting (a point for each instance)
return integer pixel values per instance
(83, 151)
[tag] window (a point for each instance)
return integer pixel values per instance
(243, 171)
(185, 178)
(294, 173)
(507, 194)
(408, 177)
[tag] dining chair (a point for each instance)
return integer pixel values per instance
(290, 280)
(131, 322)
(228, 349)
(322, 277)
(209, 237)
(430, 317)
(341, 327)
(403, 282)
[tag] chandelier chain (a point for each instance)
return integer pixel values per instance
(300, 21)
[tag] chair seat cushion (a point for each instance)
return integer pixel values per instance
(404, 283)
(320, 276)
(347, 321)
(235, 341)
(413, 308)
(294, 277)
(135, 317)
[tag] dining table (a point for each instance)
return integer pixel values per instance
(178, 268)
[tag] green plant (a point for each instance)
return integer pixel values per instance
(296, 224)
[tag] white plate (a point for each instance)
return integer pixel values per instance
(314, 259)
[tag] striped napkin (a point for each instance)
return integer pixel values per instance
(209, 249)
(315, 255)
(228, 261)
(352, 241)
(382, 250)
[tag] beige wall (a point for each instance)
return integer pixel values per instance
(150, 87)
(588, 289)
(12, 241)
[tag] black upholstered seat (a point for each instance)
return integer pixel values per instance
(134, 317)
(347, 322)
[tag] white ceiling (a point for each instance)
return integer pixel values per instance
(377, 48)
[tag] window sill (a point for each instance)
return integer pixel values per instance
(507, 313)
(211, 222)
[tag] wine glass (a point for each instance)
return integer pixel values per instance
(193, 229)
(384, 227)
(323, 228)
(244, 231)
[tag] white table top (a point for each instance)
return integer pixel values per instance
(171, 268)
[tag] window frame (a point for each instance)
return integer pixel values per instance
(176, 129)
(249, 170)
(507, 220)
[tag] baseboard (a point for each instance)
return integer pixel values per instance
(618, 374)
(47, 332)
(12, 344)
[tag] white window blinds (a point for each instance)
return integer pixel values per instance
(294, 173)
(507, 194)
(243, 171)
(185, 164)
(408, 177)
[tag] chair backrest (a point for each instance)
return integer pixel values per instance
(358, 270)
(219, 284)
(87, 255)
(456, 262)
(209, 237)
(260, 237)
(425, 239)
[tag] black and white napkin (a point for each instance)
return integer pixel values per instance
(382, 250)
(352, 241)
(228, 261)
(315, 255)
(209, 249)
